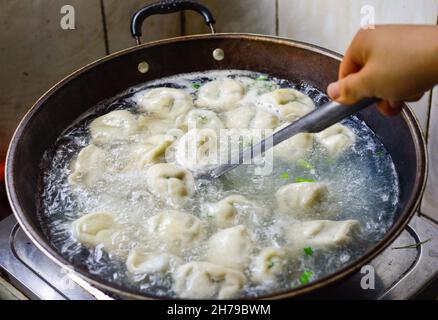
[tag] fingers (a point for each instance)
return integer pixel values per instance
(390, 108)
(333, 90)
(352, 84)
(348, 66)
(355, 56)
(375, 66)
(350, 89)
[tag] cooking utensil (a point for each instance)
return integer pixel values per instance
(73, 96)
(316, 121)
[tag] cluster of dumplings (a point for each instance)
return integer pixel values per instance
(155, 138)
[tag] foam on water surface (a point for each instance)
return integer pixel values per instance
(363, 185)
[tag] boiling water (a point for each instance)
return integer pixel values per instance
(363, 185)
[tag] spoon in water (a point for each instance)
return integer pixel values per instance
(315, 121)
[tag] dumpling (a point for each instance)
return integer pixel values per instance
(225, 211)
(220, 95)
(236, 209)
(288, 104)
(152, 126)
(174, 231)
(87, 228)
(239, 118)
(299, 198)
(143, 263)
(156, 146)
(248, 117)
(199, 119)
(204, 280)
(259, 87)
(170, 183)
(264, 120)
(176, 135)
(230, 247)
(336, 139)
(268, 265)
(89, 167)
(100, 229)
(294, 148)
(234, 140)
(166, 103)
(114, 127)
(198, 149)
(321, 233)
(150, 151)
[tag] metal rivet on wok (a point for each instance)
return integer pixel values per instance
(143, 67)
(218, 54)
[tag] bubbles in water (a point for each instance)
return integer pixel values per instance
(363, 185)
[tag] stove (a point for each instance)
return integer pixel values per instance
(398, 273)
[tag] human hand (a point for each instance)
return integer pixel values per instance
(396, 63)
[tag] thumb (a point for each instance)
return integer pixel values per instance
(350, 89)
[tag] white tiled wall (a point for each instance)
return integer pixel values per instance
(333, 23)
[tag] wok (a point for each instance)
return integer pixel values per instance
(58, 108)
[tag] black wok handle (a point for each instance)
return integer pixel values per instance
(165, 7)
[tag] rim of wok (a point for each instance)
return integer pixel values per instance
(42, 242)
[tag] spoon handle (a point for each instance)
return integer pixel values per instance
(315, 121)
(321, 118)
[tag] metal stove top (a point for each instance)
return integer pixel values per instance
(399, 274)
